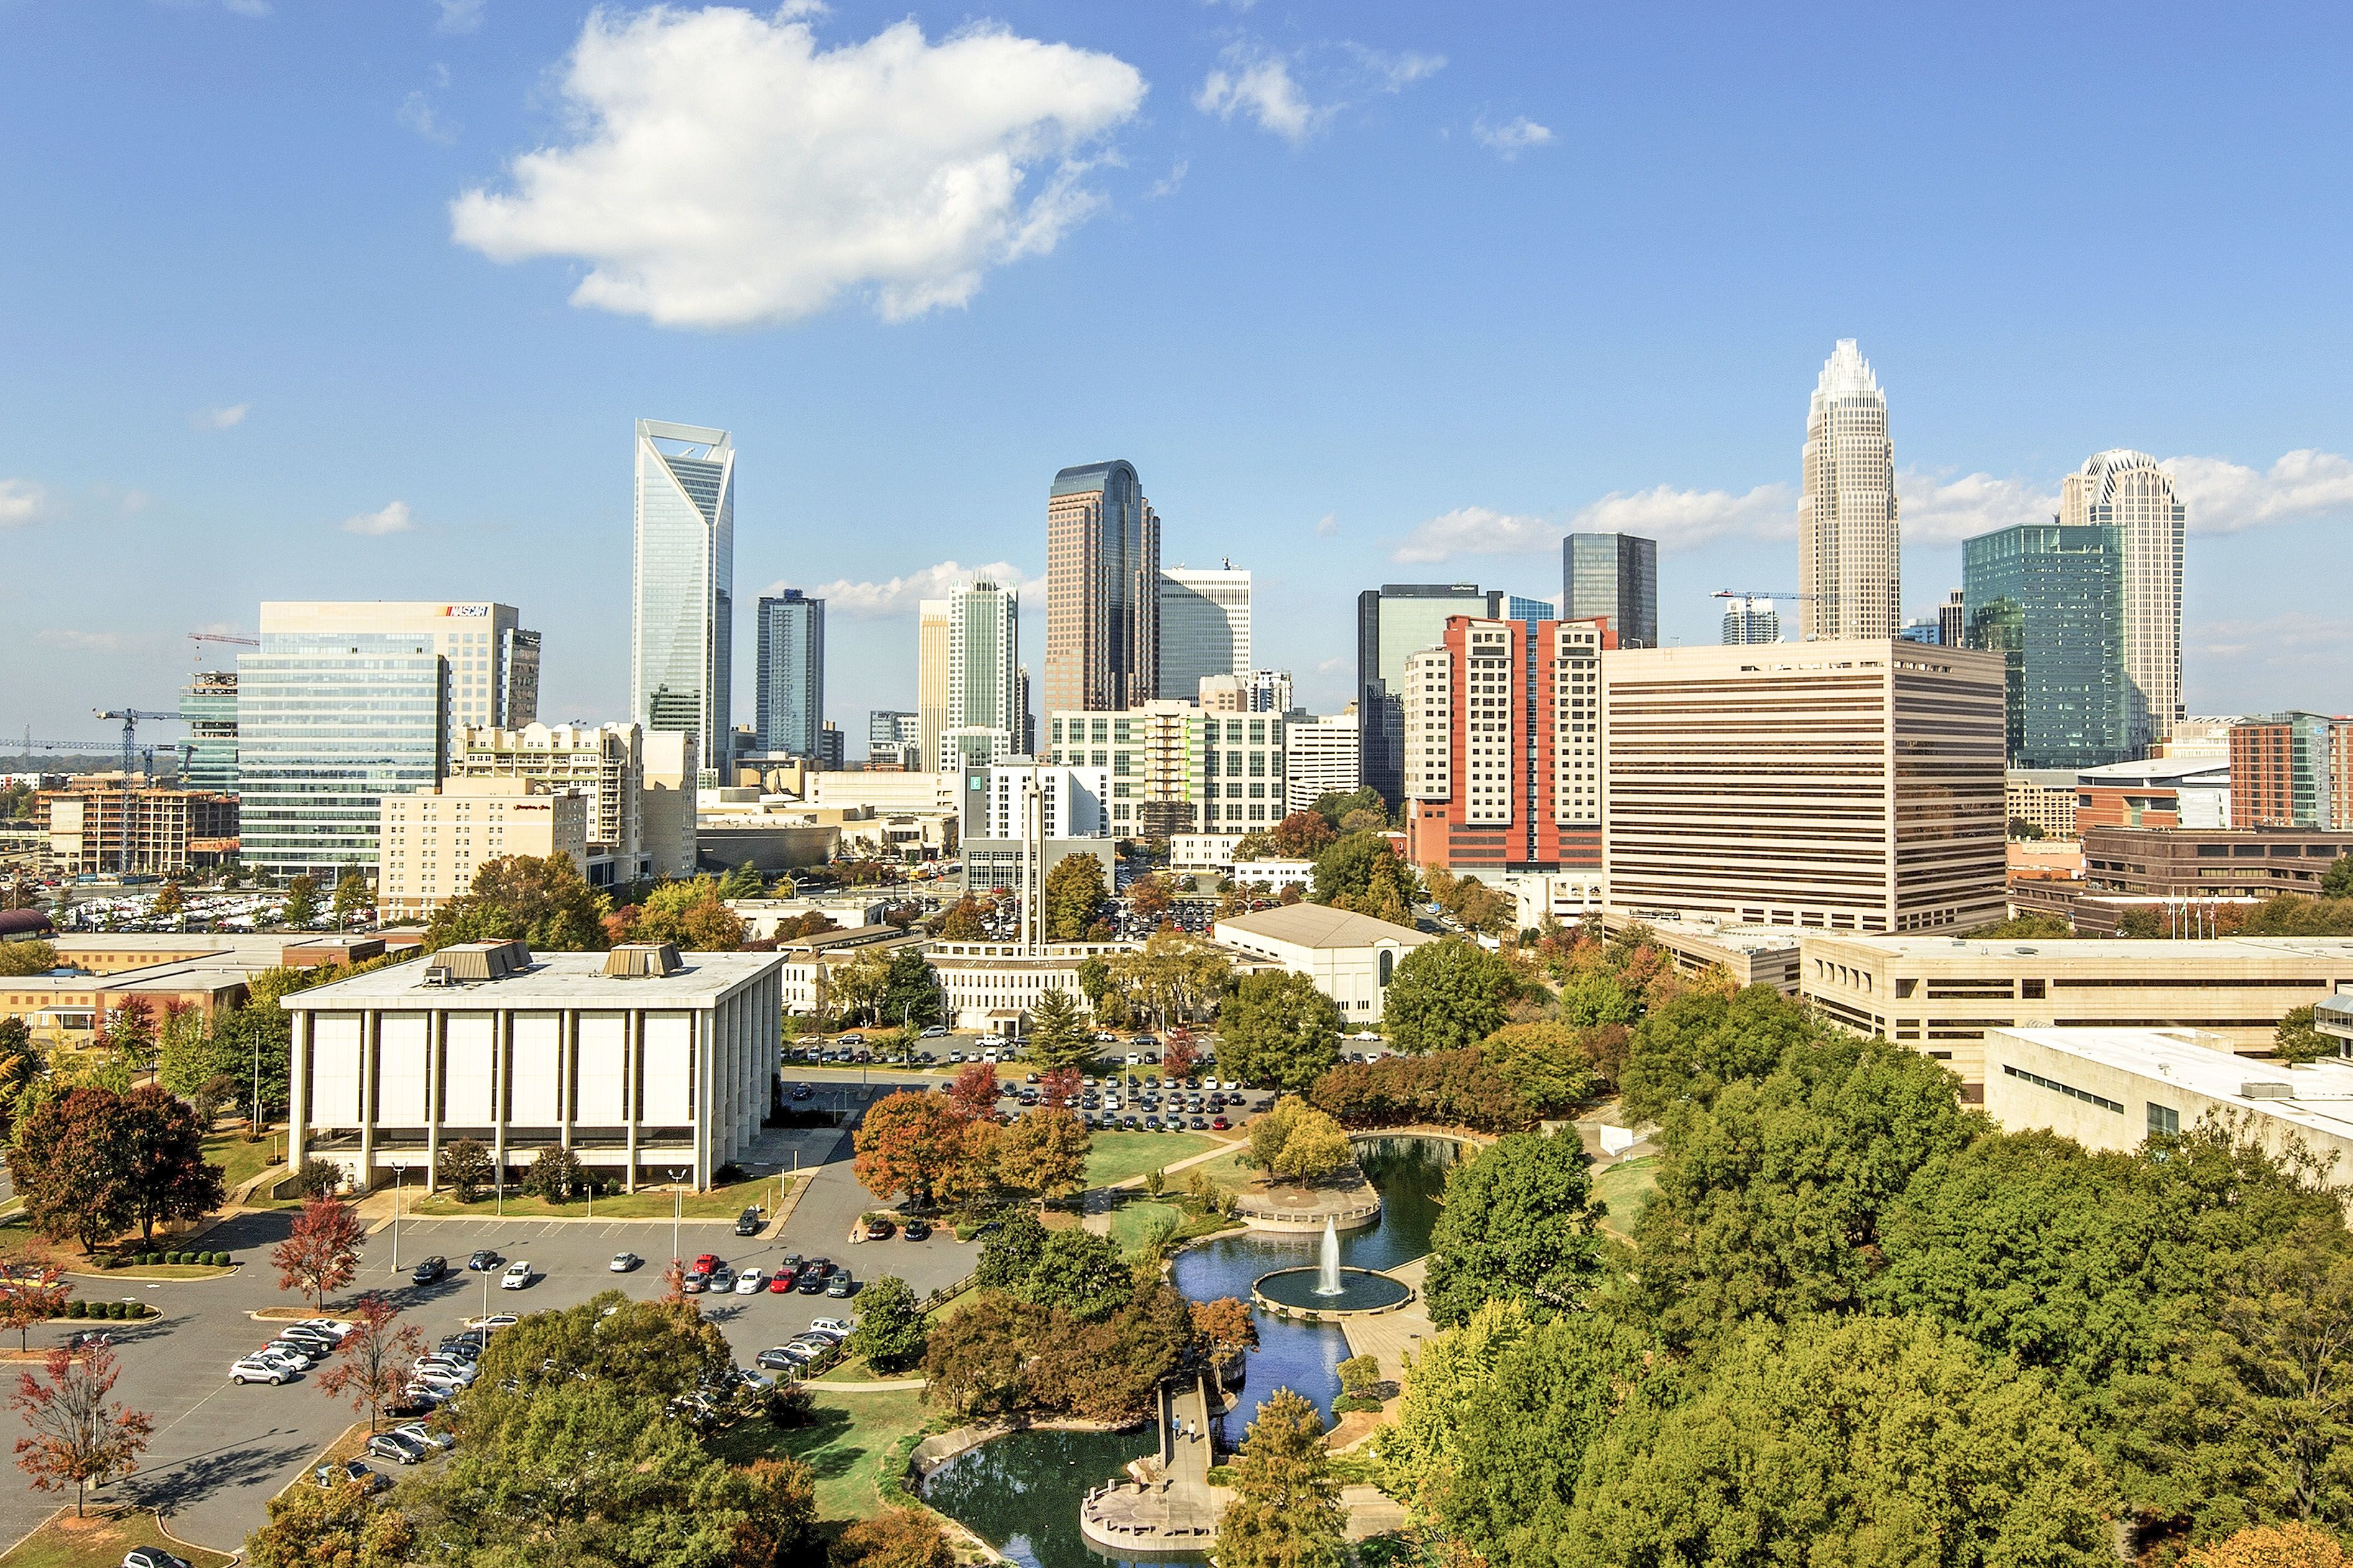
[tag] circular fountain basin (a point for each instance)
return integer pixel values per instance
(1361, 1290)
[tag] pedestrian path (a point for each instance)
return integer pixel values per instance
(1170, 1506)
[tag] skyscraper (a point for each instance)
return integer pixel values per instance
(1848, 551)
(1748, 620)
(984, 710)
(1952, 620)
(683, 586)
(930, 680)
(2050, 599)
(2129, 489)
(1103, 590)
(209, 707)
(1612, 575)
(1395, 621)
(1205, 627)
(790, 673)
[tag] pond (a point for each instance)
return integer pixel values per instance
(1021, 1492)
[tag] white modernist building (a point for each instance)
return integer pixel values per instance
(992, 987)
(682, 642)
(1321, 757)
(1849, 562)
(650, 1066)
(1349, 957)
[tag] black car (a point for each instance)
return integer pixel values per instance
(748, 1223)
(801, 1091)
(429, 1269)
(812, 1280)
(483, 1261)
(915, 1230)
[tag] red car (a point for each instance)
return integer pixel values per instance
(707, 1263)
(780, 1284)
(1220, 1123)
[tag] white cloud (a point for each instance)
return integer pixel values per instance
(1328, 526)
(393, 519)
(1395, 73)
(22, 501)
(1476, 531)
(458, 16)
(220, 417)
(2222, 497)
(900, 595)
(1260, 86)
(417, 113)
(728, 172)
(1677, 519)
(1938, 510)
(1170, 185)
(1510, 140)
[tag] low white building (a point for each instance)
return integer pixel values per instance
(1274, 875)
(649, 1066)
(1349, 957)
(994, 987)
(1322, 757)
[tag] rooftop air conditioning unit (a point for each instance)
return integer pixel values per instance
(642, 960)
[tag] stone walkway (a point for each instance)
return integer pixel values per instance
(1390, 1335)
(1174, 1510)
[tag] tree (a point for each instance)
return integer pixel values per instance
(171, 900)
(1075, 896)
(1547, 1065)
(742, 881)
(540, 901)
(463, 1166)
(318, 1177)
(2336, 881)
(323, 1251)
(1303, 835)
(163, 1163)
(910, 1142)
(353, 895)
(28, 1301)
(1081, 1273)
(1225, 1324)
(1278, 1030)
(187, 1055)
(79, 1435)
(964, 921)
(68, 1162)
(2297, 1040)
(1042, 1153)
(891, 1325)
(689, 916)
(1296, 1141)
(644, 1350)
(28, 957)
(1691, 1048)
(1148, 897)
(1445, 1382)
(1518, 1222)
(896, 1537)
(302, 905)
(973, 1091)
(859, 985)
(1447, 993)
(342, 1526)
(1175, 977)
(1179, 1056)
(1962, 1460)
(1344, 871)
(373, 1363)
(911, 992)
(1334, 806)
(976, 1362)
(2293, 1545)
(1058, 1037)
(130, 1032)
(1286, 1510)
(555, 1174)
(1456, 1087)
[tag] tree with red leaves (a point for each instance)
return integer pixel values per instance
(1061, 1088)
(910, 1142)
(165, 1170)
(324, 1252)
(373, 1363)
(974, 1092)
(1179, 1056)
(28, 1299)
(80, 1437)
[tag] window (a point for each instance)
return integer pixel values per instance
(1389, 963)
(2030, 990)
(2163, 1120)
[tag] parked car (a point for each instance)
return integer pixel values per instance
(748, 1223)
(492, 1323)
(751, 1282)
(802, 1091)
(1219, 1124)
(623, 1262)
(429, 1269)
(840, 1327)
(841, 1285)
(417, 1432)
(484, 1260)
(936, 1031)
(781, 1282)
(706, 1263)
(695, 1283)
(517, 1276)
(400, 1450)
(332, 1476)
(153, 1557)
(462, 1373)
(724, 1282)
(878, 1230)
(784, 1357)
(253, 1369)
(915, 1230)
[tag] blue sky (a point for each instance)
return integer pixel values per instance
(314, 301)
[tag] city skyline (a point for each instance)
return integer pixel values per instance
(1266, 421)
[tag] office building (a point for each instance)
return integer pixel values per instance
(1174, 769)
(2049, 599)
(2043, 797)
(1102, 590)
(1846, 786)
(1395, 621)
(1749, 620)
(1020, 819)
(681, 633)
(209, 707)
(1350, 957)
(1952, 619)
(649, 1066)
(2196, 863)
(672, 775)
(1614, 576)
(1259, 691)
(1205, 627)
(895, 739)
(1503, 746)
(2161, 792)
(2292, 770)
(1927, 631)
(1850, 563)
(433, 841)
(607, 764)
(832, 748)
(931, 677)
(983, 721)
(94, 825)
(1319, 758)
(790, 678)
(2128, 491)
(992, 987)
(2206, 738)
(345, 703)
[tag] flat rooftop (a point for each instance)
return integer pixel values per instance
(1321, 926)
(2107, 950)
(1732, 936)
(553, 979)
(2318, 1096)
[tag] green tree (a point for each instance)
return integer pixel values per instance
(27, 958)
(555, 1174)
(1009, 1253)
(1547, 1065)
(1058, 1037)
(310, 1526)
(463, 1166)
(1447, 993)
(1176, 976)
(1277, 1030)
(1079, 1272)
(860, 985)
(1867, 1441)
(1345, 868)
(2336, 881)
(1334, 806)
(1692, 1046)
(188, 1056)
(1075, 896)
(911, 992)
(1286, 1510)
(2298, 1040)
(742, 882)
(1519, 1221)
(130, 1032)
(1445, 1382)
(302, 905)
(540, 901)
(645, 1350)
(892, 1327)
(353, 895)
(1298, 1142)
(1593, 1000)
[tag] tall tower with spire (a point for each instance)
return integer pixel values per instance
(682, 597)
(1850, 558)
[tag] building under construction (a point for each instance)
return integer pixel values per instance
(171, 830)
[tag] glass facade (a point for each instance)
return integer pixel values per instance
(1204, 629)
(791, 674)
(1393, 623)
(208, 706)
(684, 577)
(1612, 575)
(2050, 599)
(328, 724)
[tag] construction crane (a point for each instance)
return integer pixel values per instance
(1757, 593)
(201, 638)
(147, 754)
(129, 718)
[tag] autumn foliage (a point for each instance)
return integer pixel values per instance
(79, 1435)
(322, 1252)
(371, 1365)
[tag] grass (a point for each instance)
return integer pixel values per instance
(1232, 1173)
(160, 1271)
(97, 1542)
(844, 1446)
(1626, 1187)
(719, 1203)
(1118, 1156)
(239, 1161)
(1133, 1226)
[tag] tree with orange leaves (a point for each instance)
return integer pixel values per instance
(323, 1253)
(80, 1437)
(910, 1142)
(2291, 1545)
(27, 1300)
(371, 1365)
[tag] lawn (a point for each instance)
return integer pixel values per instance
(1133, 1223)
(1120, 1155)
(844, 1446)
(239, 1161)
(1626, 1187)
(97, 1542)
(719, 1203)
(1232, 1173)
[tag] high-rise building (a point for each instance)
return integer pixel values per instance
(209, 707)
(984, 698)
(1395, 621)
(607, 764)
(2050, 599)
(1952, 620)
(790, 678)
(2292, 770)
(832, 748)
(1260, 692)
(1172, 768)
(1205, 627)
(1102, 590)
(1840, 786)
(1750, 621)
(931, 679)
(2127, 490)
(96, 825)
(1615, 576)
(895, 739)
(433, 841)
(1927, 630)
(344, 703)
(681, 643)
(1849, 548)
(1503, 746)
(1320, 758)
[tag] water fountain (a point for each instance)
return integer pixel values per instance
(1327, 1263)
(1328, 1288)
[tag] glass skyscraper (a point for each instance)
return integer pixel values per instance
(683, 574)
(791, 673)
(2129, 489)
(1205, 628)
(1393, 623)
(1102, 590)
(209, 707)
(2050, 599)
(987, 700)
(1612, 575)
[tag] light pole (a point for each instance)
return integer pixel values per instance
(399, 1174)
(677, 1212)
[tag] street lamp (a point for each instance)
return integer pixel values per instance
(399, 1174)
(677, 1211)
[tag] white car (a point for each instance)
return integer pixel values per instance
(334, 1327)
(495, 1321)
(447, 1366)
(840, 1327)
(253, 1369)
(293, 1364)
(751, 1282)
(443, 1382)
(517, 1276)
(417, 1432)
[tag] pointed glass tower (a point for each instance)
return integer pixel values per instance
(683, 607)
(1848, 554)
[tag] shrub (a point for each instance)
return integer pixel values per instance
(77, 1307)
(114, 1312)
